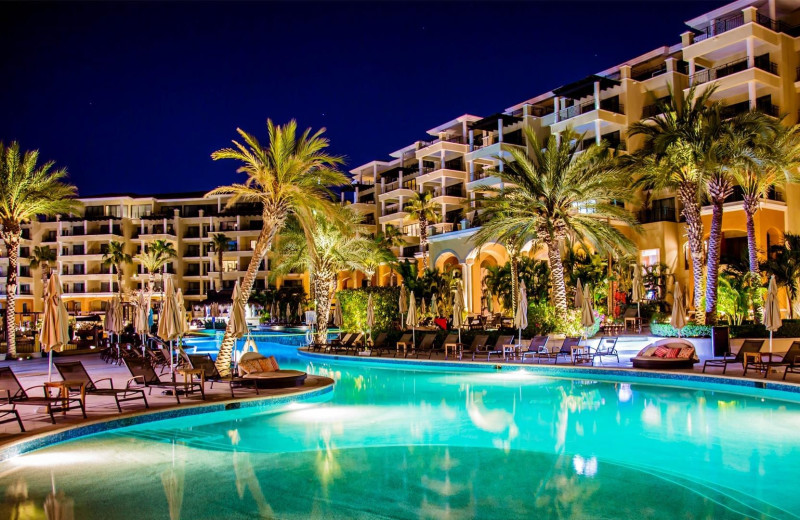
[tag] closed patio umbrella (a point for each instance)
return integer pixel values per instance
(458, 309)
(55, 322)
(273, 312)
(434, 307)
(579, 295)
(772, 311)
(521, 315)
(678, 317)
(180, 304)
(403, 306)
(411, 318)
(370, 315)
(587, 313)
(337, 312)
(422, 307)
(238, 317)
(169, 326)
(113, 320)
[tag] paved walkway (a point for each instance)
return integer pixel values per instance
(36, 420)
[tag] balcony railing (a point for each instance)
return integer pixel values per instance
(720, 26)
(455, 139)
(576, 110)
(440, 228)
(728, 69)
(649, 73)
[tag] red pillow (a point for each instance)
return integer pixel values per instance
(661, 352)
(673, 353)
(273, 362)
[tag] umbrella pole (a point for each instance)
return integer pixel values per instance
(171, 360)
(770, 342)
(50, 362)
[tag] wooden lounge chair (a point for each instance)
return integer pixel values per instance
(17, 395)
(565, 350)
(536, 348)
(750, 346)
(764, 362)
(355, 344)
(404, 341)
(10, 414)
(379, 345)
(317, 347)
(497, 348)
(451, 341)
(144, 374)
(606, 348)
(212, 375)
(478, 344)
(426, 345)
(792, 364)
(75, 371)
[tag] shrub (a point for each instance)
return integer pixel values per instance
(354, 308)
(789, 329)
(543, 319)
(659, 326)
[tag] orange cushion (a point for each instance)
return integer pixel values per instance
(264, 365)
(686, 353)
(250, 366)
(274, 363)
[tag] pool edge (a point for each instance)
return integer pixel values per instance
(34, 442)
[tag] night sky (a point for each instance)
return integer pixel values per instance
(134, 97)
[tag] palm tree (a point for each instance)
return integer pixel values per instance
(220, 242)
(26, 190)
(675, 155)
(559, 192)
(152, 260)
(373, 255)
(784, 264)
(42, 256)
(489, 231)
(422, 209)
(167, 251)
(323, 250)
(117, 257)
(391, 237)
(765, 163)
(290, 176)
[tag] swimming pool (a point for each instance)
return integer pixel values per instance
(406, 442)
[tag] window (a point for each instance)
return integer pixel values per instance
(230, 265)
(113, 211)
(141, 210)
(648, 257)
(94, 211)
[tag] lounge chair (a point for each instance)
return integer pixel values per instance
(606, 348)
(404, 341)
(565, 350)
(765, 362)
(335, 341)
(474, 323)
(145, 375)
(355, 344)
(212, 375)
(426, 345)
(750, 346)
(8, 415)
(478, 344)
(17, 395)
(536, 348)
(75, 371)
(792, 363)
(451, 339)
(497, 348)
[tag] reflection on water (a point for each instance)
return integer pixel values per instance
(438, 444)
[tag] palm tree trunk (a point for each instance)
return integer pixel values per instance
(118, 267)
(271, 225)
(687, 193)
(719, 188)
(423, 242)
(323, 288)
(12, 247)
(750, 205)
(219, 266)
(514, 281)
(557, 273)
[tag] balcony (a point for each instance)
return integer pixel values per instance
(662, 214)
(720, 26)
(611, 105)
(728, 69)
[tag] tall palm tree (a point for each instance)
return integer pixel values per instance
(391, 237)
(289, 176)
(422, 209)
(26, 190)
(374, 254)
(220, 242)
(42, 256)
(764, 163)
(152, 260)
(116, 256)
(167, 251)
(324, 249)
(559, 192)
(675, 155)
(784, 263)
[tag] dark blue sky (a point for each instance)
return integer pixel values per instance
(136, 96)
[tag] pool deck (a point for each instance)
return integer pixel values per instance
(101, 409)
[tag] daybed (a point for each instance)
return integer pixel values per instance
(666, 354)
(266, 373)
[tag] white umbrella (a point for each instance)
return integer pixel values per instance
(238, 319)
(113, 320)
(180, 305)
(55, 322)
(337, 312)
(772, 311)
(422, 307)
(403, 306)
(169, 326)
(273, 312)
(579, 295)
(434, 307)
(637, 290)
(678, 318)
(521, 316)
(587, 313)
(458, 309)
(411, 319)
(370, 315)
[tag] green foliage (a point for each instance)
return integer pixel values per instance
(789, 329)
(431, 282)
(544, 319)
(737, 292)
(353, 303)
(784, 264)
(659, 326)
(535, 274)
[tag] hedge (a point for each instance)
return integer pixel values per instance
(789, 329)
(354, 308)
(659, 326)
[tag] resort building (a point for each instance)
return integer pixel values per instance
(749, 50)
(186, 220)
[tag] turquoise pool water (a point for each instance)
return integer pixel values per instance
(397, 442)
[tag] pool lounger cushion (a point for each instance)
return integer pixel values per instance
(666, 354)
(266, 373)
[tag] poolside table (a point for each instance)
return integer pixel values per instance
(63, 391)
